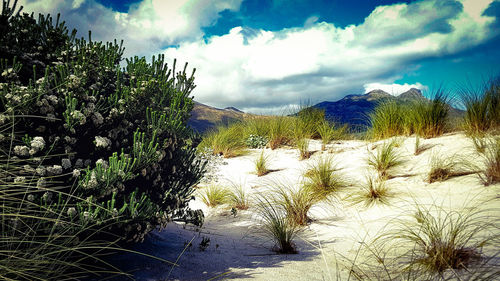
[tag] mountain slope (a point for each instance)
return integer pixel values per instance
(204, 117)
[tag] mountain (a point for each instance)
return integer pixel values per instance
(204, 117)
(354, 109)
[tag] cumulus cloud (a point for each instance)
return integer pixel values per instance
(393, 89)
(147, 27)
(324, 62)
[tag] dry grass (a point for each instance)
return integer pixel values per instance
(238, 198)
(443, 168)
(373, 192)
(214, 195)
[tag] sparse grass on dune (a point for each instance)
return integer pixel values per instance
(239, 198)
(323, 178)
(443, 239)
(385, 159)
(328, 133)
(279, 131)
(491, 158)
(214, 195)
(429, 118)
(303, 147)
(261, 164)
(419, 147)
(374, 191)
(443, 168)
(276, 225)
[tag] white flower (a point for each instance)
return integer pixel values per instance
(3, 118)
(102, 142)
(76, 173)
(19, 179)
(54, 170)
(31, 197)
(71, 211)
(38, 143)
(103, 163)
(41, 182)
(21, 150)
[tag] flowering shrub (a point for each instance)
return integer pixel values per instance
(117, 135)
(255, 141)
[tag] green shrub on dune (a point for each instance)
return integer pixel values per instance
(116, 135)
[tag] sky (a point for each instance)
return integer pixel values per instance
(264, 55)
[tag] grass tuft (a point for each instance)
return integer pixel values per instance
(385, 159)
(491, 156)
(374, 191)
(323, 177)
(443, 168)
(275, 224)
(238, 198)
(303, 146)
(214, 195)
(261, 164)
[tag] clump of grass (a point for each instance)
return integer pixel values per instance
(214, 195)
(442, 239)
(261, 164)
(482, 107)
(419, 147)
(238, 198)
(226, 140)
(479, 142)
(374, 191)
(323, 177)
(443, 168)
(328, 133)
(296, 202)
(387, 120)
(491, 156)
(279, 131)
(303, 146)
(385, 159)
(429, 118)
(275, 224)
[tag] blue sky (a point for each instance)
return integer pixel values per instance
(263, 55)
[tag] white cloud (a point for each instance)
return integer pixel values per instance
(272, 69)
(324, 62)
(394, 89)
(147, 27)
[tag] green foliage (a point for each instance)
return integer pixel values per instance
(387, 120)
(239, 198)
(303, 146)
(255, 141)
(296, 202)
(279, 131)
(119, 133)
(226, 140)
(385, 159)
(328, 133)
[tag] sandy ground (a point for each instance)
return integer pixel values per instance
(238, 250)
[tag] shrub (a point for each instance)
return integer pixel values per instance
(255, 141)
(118, 131)
(261, 164)
(275, 225)
(385, 159)
(323, 178)
(214, 195)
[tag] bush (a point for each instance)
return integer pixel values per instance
(118, 133)
(254, 141)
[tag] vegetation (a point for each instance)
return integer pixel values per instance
(374, 191)
(491, 157)
(214, 195)
(385, 159)
(261, 164)
(322, 177)
(303, 146)
(276, 225)
(482, 108)
(226, 141)
(238, 198)
(328, 133)
(443, 168)
(427, 118)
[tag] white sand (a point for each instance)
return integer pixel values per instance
(237, 249)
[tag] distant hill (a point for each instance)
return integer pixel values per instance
(354, 109)
(204, 117)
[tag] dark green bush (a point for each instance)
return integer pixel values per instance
(118, 135)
